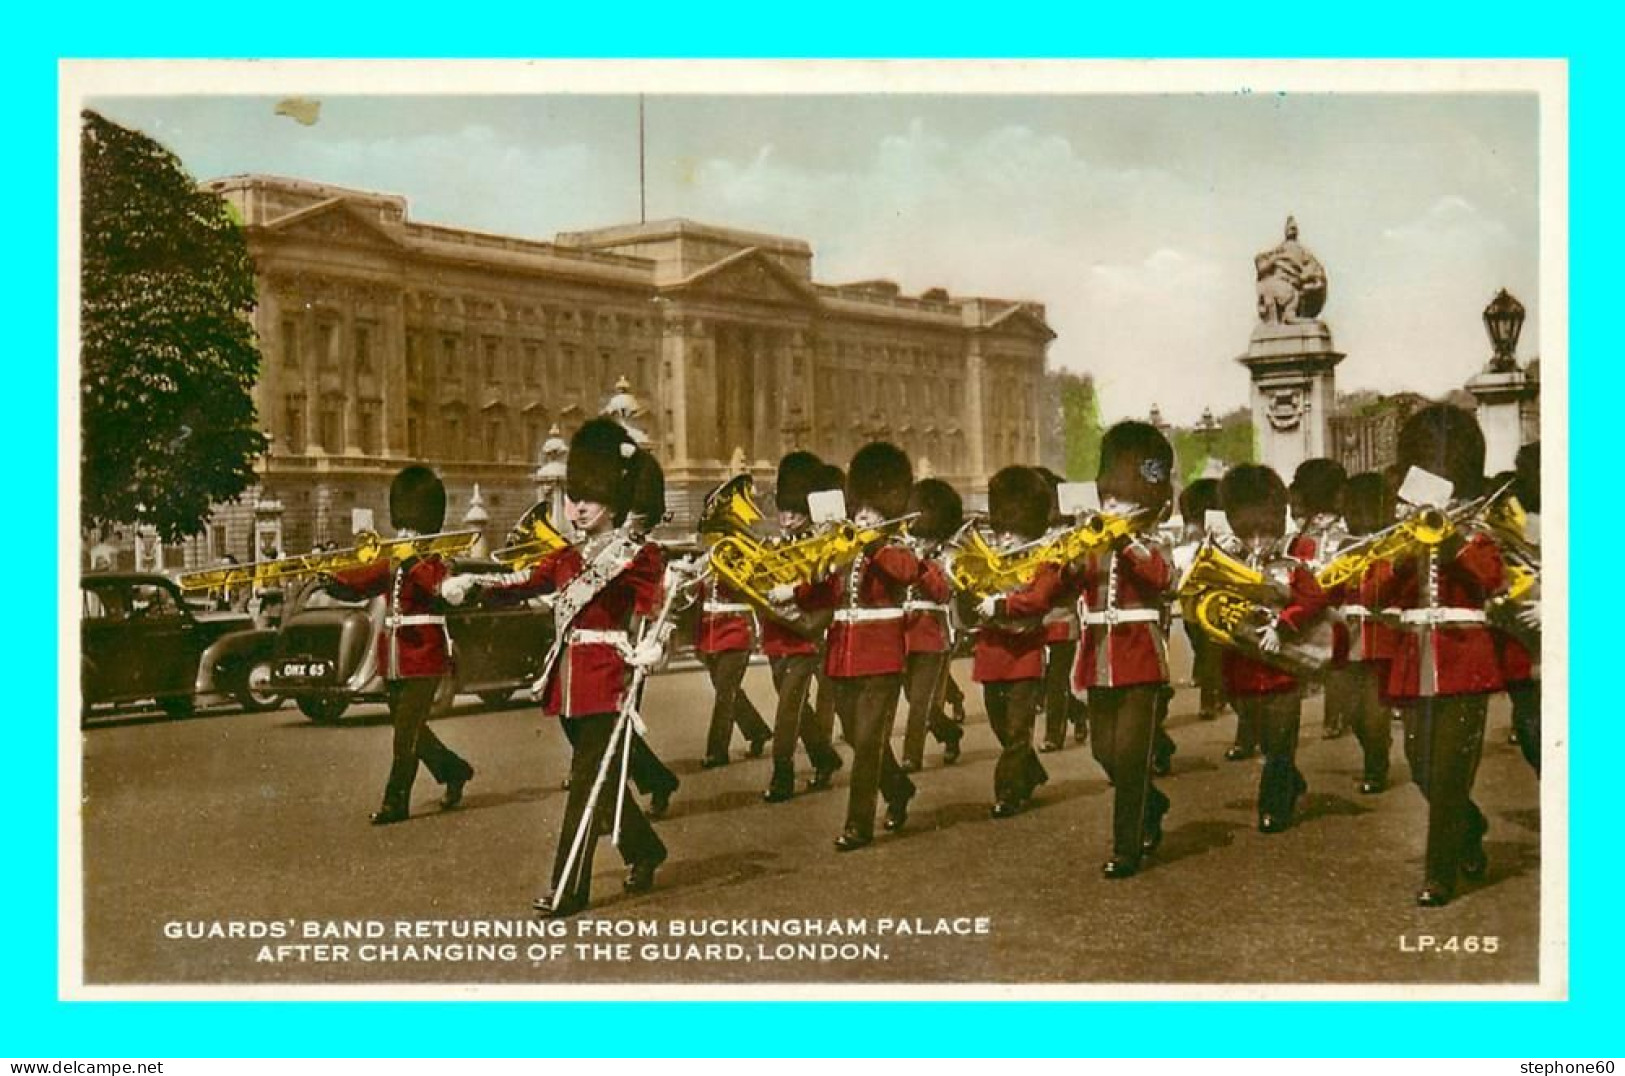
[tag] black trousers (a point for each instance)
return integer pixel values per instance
(1276, 718)
(1123, 721)
(953, 694)
(1012, 706)
(923, 688)
(1359, 687)
(867, 706)
(1207, 669)
(1444, 738)
(1525, 696)
(589, 739)
(410, 701)
(1061, 707)
(795, 719)
(731, 706)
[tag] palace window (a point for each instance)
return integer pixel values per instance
(290, 343)
(414, 359)
(327, 345)
(294, 422)
(493, 360)
(533, 362)
(332, 423)
(363, 349)
(448, 359)
(367, 426)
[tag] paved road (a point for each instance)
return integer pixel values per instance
(260, 821)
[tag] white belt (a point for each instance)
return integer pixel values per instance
(414, 619)
(866, 616)
(589, 635)
(1122, 616)
(925, 607)
(1356, 610)
(726, 607)
(1442, 616)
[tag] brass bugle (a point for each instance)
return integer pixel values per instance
(369, 547)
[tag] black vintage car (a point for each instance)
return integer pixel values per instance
(326, 652)
(140, 640)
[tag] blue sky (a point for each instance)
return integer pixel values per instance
(1134, 218)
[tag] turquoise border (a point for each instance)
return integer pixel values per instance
(35, 1024)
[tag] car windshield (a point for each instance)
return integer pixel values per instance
(303, 594)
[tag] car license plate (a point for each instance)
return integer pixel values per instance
(303, 670)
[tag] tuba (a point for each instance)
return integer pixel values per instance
(1231, 601)
(731, 508)
(531, 539)
(369, 547)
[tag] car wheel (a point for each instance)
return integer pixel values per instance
(176, 705)
(323, 709)
(496, 698)
(256, 694)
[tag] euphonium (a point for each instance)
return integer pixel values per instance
(731, 509)
(1230, 601)
(1506, 523)
(531, 539)
(983, 570)
(369, 547)
(754, 567)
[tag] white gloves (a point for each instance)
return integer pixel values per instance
(1529, 616)
(648, 655)
(988, 607)
(456, 589)
(1269, 639)
(783, 594)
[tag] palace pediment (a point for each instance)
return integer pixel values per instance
(335, 222)
(749, 276)
(1021, 320)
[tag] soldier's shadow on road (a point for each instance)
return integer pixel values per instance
(727, 869)
(949, 815)
(732, 800)
(1195, 839)
(1524, 818)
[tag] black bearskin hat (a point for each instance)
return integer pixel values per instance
(417, 501)
(1317, 485)
(880, 478)
(1018, 500)
(1198, 499)
(607, 467)
(1445, 440)
(1527, 485)
(1137, 465)
(829, 477)
(797, 473)
(941, 510)
(1368, 502)
(1054, 481)
(1254, 500)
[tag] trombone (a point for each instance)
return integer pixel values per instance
(369, 548)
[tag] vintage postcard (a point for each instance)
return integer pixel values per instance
(842, 529)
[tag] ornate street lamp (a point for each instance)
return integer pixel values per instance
(1156, 419)
(1503, 319)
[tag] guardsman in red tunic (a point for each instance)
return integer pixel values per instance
(1369, 640)
(724, 641)
(1255, 500)
(1009, 658)
(614, 492)
(414, 650)
(794, 642)
(1316, 499)
(927, 631)
(1446, 666)
(1122, 659)
(864, 652)
(1061, 707)
(1519, 663)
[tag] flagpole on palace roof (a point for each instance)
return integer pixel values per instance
(643, 210)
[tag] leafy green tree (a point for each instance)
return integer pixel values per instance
(169, 357)
(1233, 443)
(1080, 424)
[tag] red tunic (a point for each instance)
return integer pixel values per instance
(1120, 599)
(925, 611)
(1246, 675)
(413, 641)
(866, 636)
(1061, 622)
(1517, 664)
(725, 620)
(1444, 646)
(1011, 645)
(591, 675)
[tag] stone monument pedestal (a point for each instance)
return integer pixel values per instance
(1294, 391)
(1506, 400)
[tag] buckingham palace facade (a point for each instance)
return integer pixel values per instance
(385, 340)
